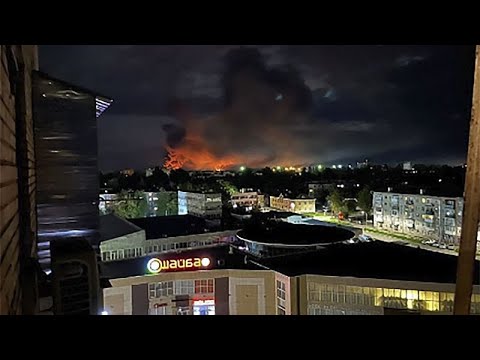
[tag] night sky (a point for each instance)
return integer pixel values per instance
(274, 105)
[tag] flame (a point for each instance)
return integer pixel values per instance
(194, 154)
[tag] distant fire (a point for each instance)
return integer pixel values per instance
(194, 154)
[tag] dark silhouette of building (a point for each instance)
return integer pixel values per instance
(67, 191)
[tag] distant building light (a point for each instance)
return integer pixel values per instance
(155, 208)
(439, 180)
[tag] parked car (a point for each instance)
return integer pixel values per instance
(451, 247)
(442, 246)
(435, 244)
(365, 238)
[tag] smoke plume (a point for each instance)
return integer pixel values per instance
(262, 107)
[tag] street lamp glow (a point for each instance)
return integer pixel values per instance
(242, 168)
(279, 168)
(104, 312)
(319, 167)
(334, 166)
(339, 166)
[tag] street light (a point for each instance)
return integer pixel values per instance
(242, 168)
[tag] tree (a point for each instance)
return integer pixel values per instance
(179, 176)
(228, 187)
(131, 205)
(365, 200)
(167, 203)
(336, 201)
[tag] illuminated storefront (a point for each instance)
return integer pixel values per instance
(350, 296)
(204, 307)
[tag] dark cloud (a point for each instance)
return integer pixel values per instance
(271, 103)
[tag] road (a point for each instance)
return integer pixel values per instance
(395, 240)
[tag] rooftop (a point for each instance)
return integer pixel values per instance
(166, 226)
(273, 232)
(102, 102)
(374, 260)
(112, 226)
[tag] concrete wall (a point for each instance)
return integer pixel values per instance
(17, 175)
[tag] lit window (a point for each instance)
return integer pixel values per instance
(281, 297)
(184, 287)
(204, 286)
(161, 289)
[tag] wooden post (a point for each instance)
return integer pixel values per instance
(471, 212)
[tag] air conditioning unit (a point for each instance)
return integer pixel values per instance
(75, 279)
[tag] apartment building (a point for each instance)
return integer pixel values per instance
(431, 217)
(302, 205)
(247, 199)
(204, 205)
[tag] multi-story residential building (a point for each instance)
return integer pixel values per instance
(432, 217)
(316, 188)
(18, 241)
(158, 203)
(204, 205)
(302, 205)
(246, 199)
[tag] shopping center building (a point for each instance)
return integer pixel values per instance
(208, 282)
(344, 279)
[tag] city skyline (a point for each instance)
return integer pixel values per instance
(231, 105)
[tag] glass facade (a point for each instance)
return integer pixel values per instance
(386, 298)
